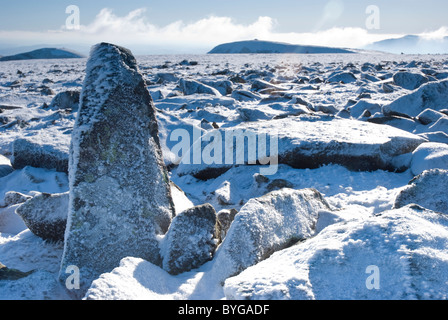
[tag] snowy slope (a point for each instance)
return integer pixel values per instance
(259, 46)
(44, 53)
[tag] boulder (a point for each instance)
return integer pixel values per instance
(409, 80)
(353, 144)
(343, 77)
(46, 215)
(189, 242)
(432, 95)
(189, 87)
(357, 110)
(430, 155)
(428, 190)
(224, 221)
(7, 274)
(120, 200)
(397, 255)
(267, 224)
(67, 100)
(13, 198)
(429, 116)
(5, 166)
(38, 154)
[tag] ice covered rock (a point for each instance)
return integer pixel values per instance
(430, 155)
(441, 125)
(342, 77)
(259, 85)
(245, 95)
(120, 201)
(267, 224)
(429, 116)
(409, 80)
(5, 166)
(397, 255)
(189, 242)
(12, 274)
(432, 95)
(66, 100)
(13, 198)
(360, 107)
(189, 87)
(428, 190)
(305, 141)
(46, 215)
(39, 154)
(224, 221)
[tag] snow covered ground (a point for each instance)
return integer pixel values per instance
(345, 241)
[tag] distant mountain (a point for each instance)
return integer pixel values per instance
(411, 44)
(258, 46)
(44, 53)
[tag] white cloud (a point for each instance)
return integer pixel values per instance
(133, 29)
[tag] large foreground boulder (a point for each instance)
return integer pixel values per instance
(120, 201)
(427, 190)
(190, 242)
(302, 142)
(429, 155)
(46, 215)
(265, 225)
(398, 255)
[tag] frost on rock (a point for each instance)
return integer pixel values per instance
(120, 201)
(265, 225)
(427, 190)
(189, 242)
(398, 255)
(432, 95)
(5, 166)
(304, 142)
(26, 152)
(46, 215)
(430, 155)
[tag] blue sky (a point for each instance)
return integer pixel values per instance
(199, 25)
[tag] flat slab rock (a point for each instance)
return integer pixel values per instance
(310, 142)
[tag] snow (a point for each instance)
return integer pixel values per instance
(408, 245)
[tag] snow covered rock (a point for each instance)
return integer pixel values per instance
(428, 190)
(409, 80)
(5, 166)
(120, 201)
(189, 87)
(429, 116)
(46, 215)
(429, 155)
(265, 225)
(39, 154)
(306, 141)
(224, 221)
(66, 100)
(13, 198)
(189, 242)
(432, 95)
(362, 106)
(342, 77)
(397, 255)
(12, 274)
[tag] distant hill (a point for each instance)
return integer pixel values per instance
(44, 53)
(258, 46)
(411, 44)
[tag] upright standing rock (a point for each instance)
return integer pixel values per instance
(120, 201)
